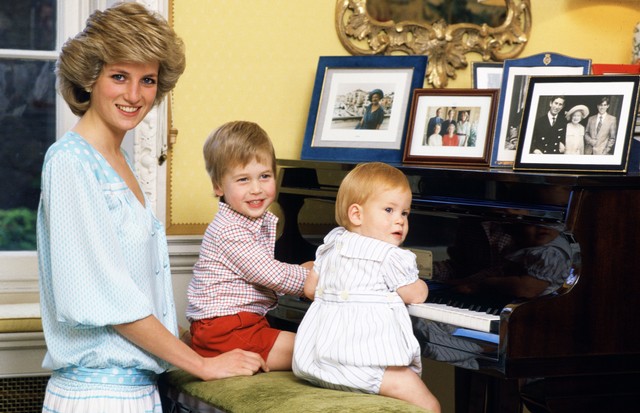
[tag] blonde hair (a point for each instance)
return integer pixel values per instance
(124, 33)
(235, 144)
(362, 182)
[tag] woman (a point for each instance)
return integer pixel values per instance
(105, 286)
(374, 113)
(435, 139)
(450, 138)
(463, 129)
(574, 136)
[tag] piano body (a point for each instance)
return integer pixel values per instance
(573, 349)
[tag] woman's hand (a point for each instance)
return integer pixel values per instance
(152, 336)
(233, 363)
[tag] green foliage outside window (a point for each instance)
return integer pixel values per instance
(18, 229)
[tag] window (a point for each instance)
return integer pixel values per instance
(33, 115)
(31, 118)
(27, 114)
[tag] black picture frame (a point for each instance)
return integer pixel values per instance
(604, 149)
(486, 75)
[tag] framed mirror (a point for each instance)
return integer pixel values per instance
(445, 31)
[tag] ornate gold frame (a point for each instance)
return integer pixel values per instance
(446, 45)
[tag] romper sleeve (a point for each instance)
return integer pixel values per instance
(399, 268)
(327, 245)
(91, 282)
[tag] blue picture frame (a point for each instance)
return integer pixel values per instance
(341, 84)
(515, 77)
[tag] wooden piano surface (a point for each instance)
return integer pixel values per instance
(589, 326)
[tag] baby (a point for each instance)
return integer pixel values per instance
(357, 334)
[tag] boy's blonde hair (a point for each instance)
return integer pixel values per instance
(362, 182)
(236, 144)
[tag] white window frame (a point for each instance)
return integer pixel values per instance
(19, 269)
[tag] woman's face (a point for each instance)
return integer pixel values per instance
(375, 98)
(123, 95)
(576, 117)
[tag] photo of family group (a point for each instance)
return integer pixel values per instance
(458, 128)
(576, 125)
(450, 126)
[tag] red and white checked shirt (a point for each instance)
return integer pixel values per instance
(237, 271)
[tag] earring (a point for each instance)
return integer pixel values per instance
(88, 90)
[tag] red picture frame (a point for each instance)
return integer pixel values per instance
(614, 69)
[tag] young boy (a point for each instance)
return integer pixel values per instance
(236, 279)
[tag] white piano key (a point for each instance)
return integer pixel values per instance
(460, 317)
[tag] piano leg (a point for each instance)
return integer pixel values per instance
(480, 393)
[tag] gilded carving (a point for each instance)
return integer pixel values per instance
(446, 44)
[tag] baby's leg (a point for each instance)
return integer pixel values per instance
(281, 354)
(404, 384)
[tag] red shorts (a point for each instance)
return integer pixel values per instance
(247, 331)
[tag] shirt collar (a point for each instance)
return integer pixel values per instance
(254, 224)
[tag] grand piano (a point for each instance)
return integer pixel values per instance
(575, 348)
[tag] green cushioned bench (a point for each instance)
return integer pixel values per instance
(275, 392)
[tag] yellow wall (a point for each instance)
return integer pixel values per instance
(256, 60)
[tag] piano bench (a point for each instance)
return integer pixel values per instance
(273, 392)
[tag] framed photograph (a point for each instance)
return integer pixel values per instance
(360, 107)
(514, 86)
(613, 69)
(486, 75)
(451, 126)
(578, 123)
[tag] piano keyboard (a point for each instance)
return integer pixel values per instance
(460, 317)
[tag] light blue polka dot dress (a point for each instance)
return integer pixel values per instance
(103, 260)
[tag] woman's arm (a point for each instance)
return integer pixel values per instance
(149, 334)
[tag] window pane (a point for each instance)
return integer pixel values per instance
(28, 122)
(28, 24)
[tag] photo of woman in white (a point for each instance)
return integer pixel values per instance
(574, 138)
(435, 139)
